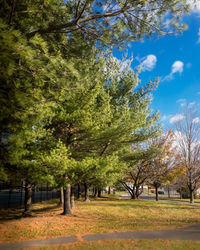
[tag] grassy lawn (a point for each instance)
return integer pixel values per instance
(97, 216)
(130, 244)
(182, 200)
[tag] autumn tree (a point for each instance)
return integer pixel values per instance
(181, 184)
(174, 177)
(163, 164)
(188, 145)
(138, 168)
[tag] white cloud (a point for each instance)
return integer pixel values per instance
(177, 67)
(176, 118)
(196, 120)
(149, 63)
(198, 41)
(194, 5)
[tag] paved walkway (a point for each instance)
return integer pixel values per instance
(186, 233)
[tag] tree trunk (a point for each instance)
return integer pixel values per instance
(61, 197)
(67, 204)
(72, 197)
(191, 196)
(168, 190)
(28, 200)
(180, 193)
(133, 197)
(79, 192)
(86, 193)
(95, 192)
(99, 192)
(132, 192)
(137, 193)
(109, 190)
(156, 189)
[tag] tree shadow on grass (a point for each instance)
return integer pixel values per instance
(46, 209)
(10, 214)
(17, 213)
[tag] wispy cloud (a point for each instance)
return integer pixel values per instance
(194, 5)
(191, 104)
(196, 120)
(177, 67)
(163, 118)
(149, 63)
(198, 41)
(176, 118)
(182, 102)
(188, 65)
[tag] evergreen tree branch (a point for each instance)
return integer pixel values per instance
(77, 21)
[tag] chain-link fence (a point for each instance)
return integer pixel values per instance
(11, 197)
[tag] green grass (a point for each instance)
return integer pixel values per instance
(182, 200)
(100, 215)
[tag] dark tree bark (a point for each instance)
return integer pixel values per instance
(134, 191)
(156, 189)
(28, 200)
(99, 192)
(79, 192)
(191, 195)
(168, 190)
(86, 193)
(61, 197)
(72, 197)
(12, 11)
(109, 190)
(67, 204)
(133, 197)
(95, 192)
(180, 193)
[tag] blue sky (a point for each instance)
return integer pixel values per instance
(176, 61)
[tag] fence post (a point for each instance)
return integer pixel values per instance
(21, 194)
(40, 192)
(9, 196)
(47, 191)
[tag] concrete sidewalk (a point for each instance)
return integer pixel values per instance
(186, 233)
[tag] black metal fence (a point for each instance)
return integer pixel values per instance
(11, 197)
